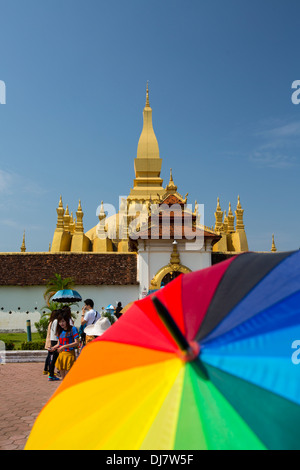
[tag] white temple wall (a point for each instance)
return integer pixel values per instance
(20, 300)
(154, 255)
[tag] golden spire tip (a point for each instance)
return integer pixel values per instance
(147, 95)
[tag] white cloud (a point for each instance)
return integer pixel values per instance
(267, 159)
(5, 181)
(278, 146)
(9, 223)
(13, 183)
(285, 130)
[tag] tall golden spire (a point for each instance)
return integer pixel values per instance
(80, 242)
(79, 223)
(225, 223)
(67, 220)
(171, 186)
(239, 216)
(147, 97)
(219, 217)
(102, 214)
(230, 218)
(61, 238)
(60, 215)
(72, 223)
(23, 246)
(148, 145)
(147, 165)
(273, 249)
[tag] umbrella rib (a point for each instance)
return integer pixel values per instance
(179, 338)
(171, 325)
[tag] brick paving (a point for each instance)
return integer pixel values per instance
(24, 390)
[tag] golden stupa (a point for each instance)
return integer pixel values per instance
(147, 189)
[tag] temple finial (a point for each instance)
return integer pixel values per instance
(273, 249)
(23, 247)
(147, 95)
(218, 217)
(175, 257)
(60, 215)
(79, 217)
(171, 186)
(239, 216)
(67, 220)
(102, 214)
(230, 218)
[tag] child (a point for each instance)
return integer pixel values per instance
(68, 340)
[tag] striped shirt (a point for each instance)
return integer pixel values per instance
(68, 338)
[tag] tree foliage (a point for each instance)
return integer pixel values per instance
(57, 283)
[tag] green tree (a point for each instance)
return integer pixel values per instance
(42, 326)
(110, 316)
(57, 283)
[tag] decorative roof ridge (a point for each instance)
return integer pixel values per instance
(177, 195)
(208, 229)
(69, 253)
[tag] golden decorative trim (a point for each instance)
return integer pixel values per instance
(173, 266)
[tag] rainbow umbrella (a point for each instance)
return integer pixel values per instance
(204, 363)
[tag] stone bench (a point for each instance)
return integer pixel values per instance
(9, 357)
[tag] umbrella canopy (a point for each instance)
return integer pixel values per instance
(204, 363)
(127, 307)
(67, 296)
(110, 308)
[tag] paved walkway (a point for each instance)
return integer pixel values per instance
(24, 390)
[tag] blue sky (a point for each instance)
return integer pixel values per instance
(220, 74)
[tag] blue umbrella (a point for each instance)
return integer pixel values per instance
(110, 308)
(67, 296)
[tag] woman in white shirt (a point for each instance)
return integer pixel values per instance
(53, 342)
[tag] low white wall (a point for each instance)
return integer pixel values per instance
(20, 300)
(15, 302)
